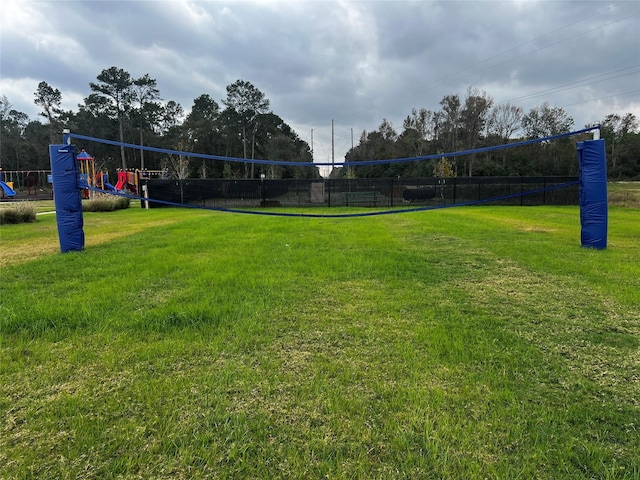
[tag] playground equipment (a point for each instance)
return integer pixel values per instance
(34, 184)
(86, 165)
(127, 180)
(102, 181)
(7, 188)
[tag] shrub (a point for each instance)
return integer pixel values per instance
(20, 213)
(105, 204)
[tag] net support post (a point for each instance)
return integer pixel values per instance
(593, 193)
(67, 197)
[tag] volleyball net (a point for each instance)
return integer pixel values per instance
(591, 183)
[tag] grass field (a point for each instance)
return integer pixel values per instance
(478, 342)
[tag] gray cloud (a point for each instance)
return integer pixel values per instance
(355, 62)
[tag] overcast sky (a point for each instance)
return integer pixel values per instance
(356, 63)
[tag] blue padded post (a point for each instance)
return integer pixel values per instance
(593, 193)
(66, 195)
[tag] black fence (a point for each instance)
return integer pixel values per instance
(361, 192)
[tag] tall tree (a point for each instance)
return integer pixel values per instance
(547, 121)
(144, 93)
(621, 139)
(473, 118)
(418, 129)
(116, 85)
(378, 145)
(278, 141)
(36, 149)
(94, 119)
(451, 120)
(201, 128)
(172, 116)
(49, 99)
(504, 120)
(12, 127)
(172, 131)
(249, 103)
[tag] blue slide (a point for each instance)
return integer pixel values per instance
(8, 191)
(105, 182)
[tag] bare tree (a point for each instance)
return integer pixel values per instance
(504, 120)
(420, 125)
(451, 120)
(473, 118)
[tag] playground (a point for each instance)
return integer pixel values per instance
(25, 185)
(31, 185)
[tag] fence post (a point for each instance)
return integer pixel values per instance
(454, 189)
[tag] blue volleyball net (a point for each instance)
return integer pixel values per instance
(591, 183)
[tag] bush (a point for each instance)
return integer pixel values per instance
(20, 213)
(105, 204)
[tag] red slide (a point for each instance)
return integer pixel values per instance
(122, 180)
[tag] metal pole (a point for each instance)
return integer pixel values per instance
(332, 148)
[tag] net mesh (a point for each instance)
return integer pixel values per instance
(395, 195)
(380, 193)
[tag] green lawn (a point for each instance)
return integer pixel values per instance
(478, 342)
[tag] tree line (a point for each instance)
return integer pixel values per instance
(475, 121)
(129, 109)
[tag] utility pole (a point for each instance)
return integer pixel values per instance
(312, 145)
(332, 148)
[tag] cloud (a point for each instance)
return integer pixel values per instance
(355, 62)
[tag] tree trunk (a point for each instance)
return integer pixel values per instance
(122, 156)
(244, 150)
(141, 151)
(253, 152)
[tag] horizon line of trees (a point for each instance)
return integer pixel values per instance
(475, 121)
(131, 110)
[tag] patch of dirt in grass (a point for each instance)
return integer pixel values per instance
(31, 249)
(536, 229)
(522, 226)
(28, 250)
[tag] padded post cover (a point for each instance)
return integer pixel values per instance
(66, 196)
(593, 193)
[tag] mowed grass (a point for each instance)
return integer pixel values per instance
(462, 343)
